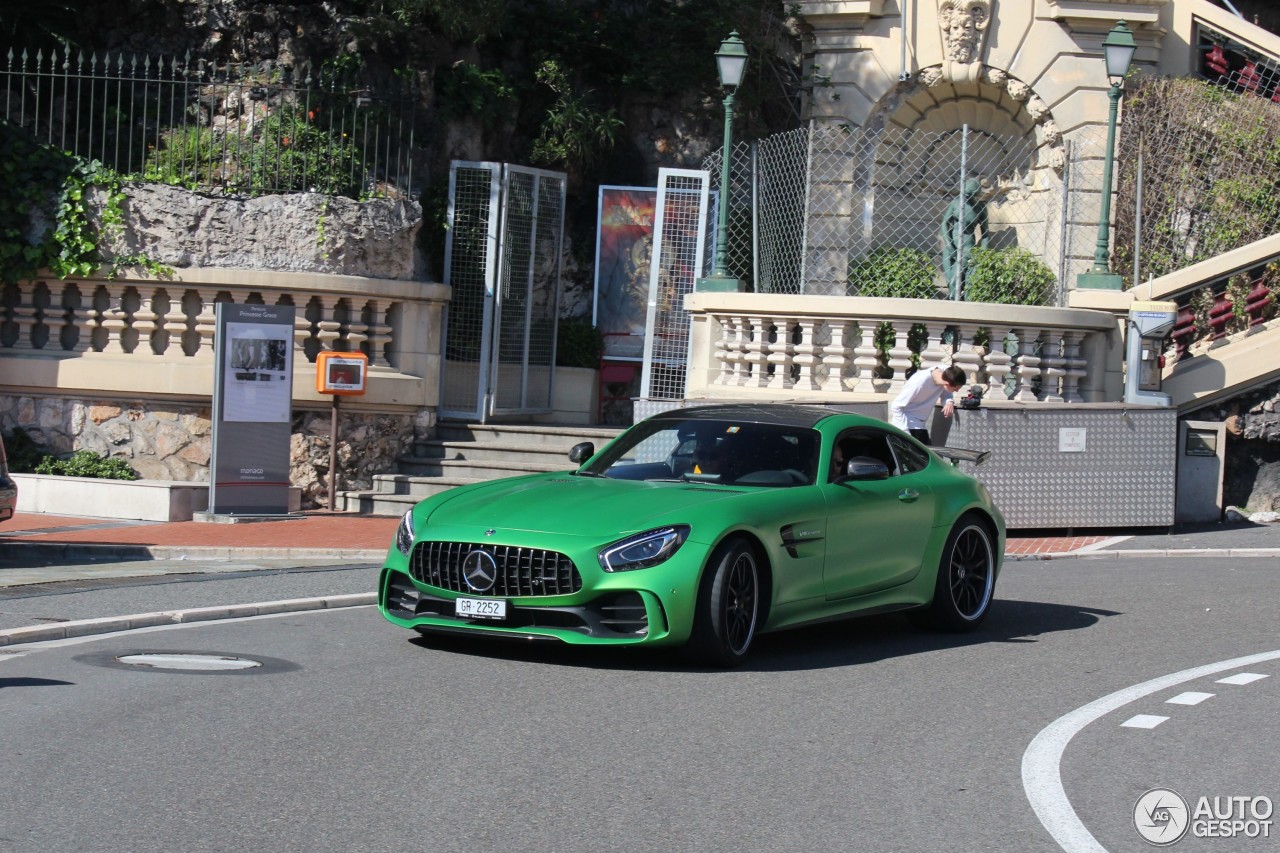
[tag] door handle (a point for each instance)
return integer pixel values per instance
(908, 495)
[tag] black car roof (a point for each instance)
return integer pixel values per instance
(781, 414)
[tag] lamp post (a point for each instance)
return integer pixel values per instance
(731, 61)
(1117, 50)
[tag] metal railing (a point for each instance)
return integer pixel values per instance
(242, 129)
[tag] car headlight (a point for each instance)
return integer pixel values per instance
(644, 549)
(404, 534)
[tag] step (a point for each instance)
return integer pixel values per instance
(487, 451)
(480, 469)
(458, 431)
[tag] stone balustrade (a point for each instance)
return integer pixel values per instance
(147, 335)
(856, 349)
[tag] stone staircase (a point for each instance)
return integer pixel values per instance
(465, 453)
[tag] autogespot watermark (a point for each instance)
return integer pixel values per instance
(1162, 817)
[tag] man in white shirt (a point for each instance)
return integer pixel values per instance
(913, 406)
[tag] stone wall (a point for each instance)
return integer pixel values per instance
(163, 441)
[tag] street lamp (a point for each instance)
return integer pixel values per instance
(1117, 50)
(731, 61)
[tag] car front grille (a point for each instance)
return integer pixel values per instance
(520, 571)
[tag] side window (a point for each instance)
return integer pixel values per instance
(910, 457)
(862, 443)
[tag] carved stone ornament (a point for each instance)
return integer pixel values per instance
(964, 27)
(931, 76)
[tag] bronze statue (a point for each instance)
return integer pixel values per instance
(960, 225)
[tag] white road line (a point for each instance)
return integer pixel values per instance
(1143, 721)
(1041, 763)
(1242, 678)
(1191, 697)
(1104, 545)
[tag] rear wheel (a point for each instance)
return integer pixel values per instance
(966, 579)
(728, 605)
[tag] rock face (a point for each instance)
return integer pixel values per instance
(1251, 480)
(299, 232)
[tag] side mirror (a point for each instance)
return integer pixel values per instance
(866, 468)
(580, 453)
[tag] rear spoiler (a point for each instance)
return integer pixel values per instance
(957, 454)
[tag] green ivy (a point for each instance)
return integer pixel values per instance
(1008, 276)
(903, 273)
(42, 182)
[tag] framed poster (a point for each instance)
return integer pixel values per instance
(624, 241)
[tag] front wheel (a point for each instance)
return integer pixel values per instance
(728, 606)
(966, 579)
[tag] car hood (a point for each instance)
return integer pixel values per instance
(584, 506)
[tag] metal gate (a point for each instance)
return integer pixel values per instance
(502, 261)
(675, 265)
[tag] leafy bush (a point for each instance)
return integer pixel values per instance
(86, 463)
(903, 273)
(578, 344)
(1008, 277)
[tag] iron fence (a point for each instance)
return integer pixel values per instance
(233, 128)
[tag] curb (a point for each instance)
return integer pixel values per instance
(70, 551)
(1146, 552)
(87, 627)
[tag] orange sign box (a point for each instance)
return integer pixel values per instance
(343, 373)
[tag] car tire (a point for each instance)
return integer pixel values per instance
(966, 580)
(728, 610)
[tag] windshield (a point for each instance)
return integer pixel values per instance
(712, 451)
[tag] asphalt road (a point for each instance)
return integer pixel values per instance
(356, 735)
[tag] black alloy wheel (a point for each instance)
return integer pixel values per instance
(728, 605)
(966, 578)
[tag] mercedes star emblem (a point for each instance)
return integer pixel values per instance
(479, 570)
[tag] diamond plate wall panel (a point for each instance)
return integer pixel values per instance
(1124, 476)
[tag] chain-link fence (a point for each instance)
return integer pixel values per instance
(245, 129)
(1198, 173)
(840, 210)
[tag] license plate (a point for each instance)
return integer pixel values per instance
(481, 608)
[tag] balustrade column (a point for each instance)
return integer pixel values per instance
(1026, 366)
(147, 323)
(1052, 366)
(25, 316)
(722, 349)
(757, 353)
(899, 356)
(968, 356)
(174, 323)
(997, 363)
(59, 316)
(934, 352)
(329, 326)
(866, 358)
(781, 353)
(807, 355)
(114, 319)
(835, 355)
(378, 333)
(206, 325)
(1076, 367)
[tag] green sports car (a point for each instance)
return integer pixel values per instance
(703, 527)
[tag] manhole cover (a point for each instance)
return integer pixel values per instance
(187, 661)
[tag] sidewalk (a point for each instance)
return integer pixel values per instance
(42, 539)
